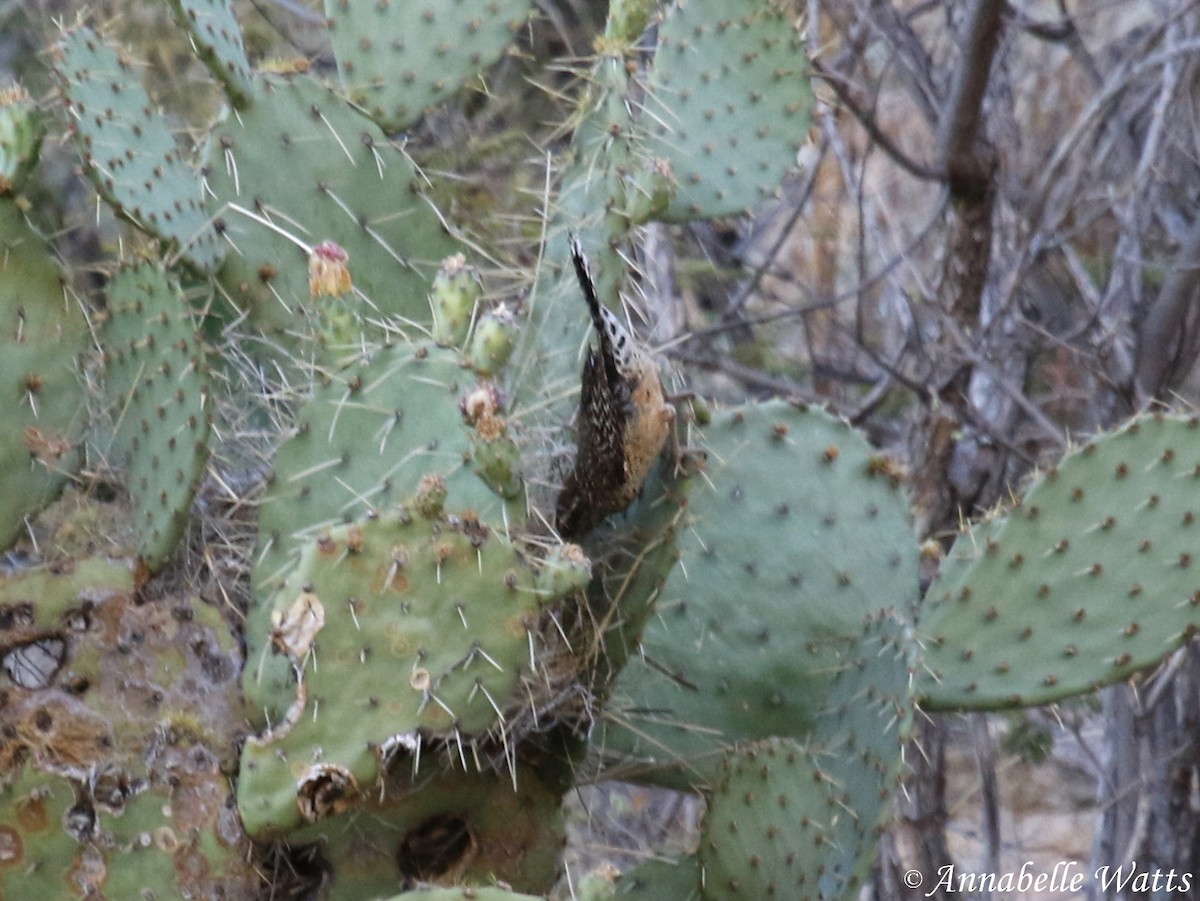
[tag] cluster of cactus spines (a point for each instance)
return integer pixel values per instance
(1091, 575)
(120, 722)
(398, 59)
(43, 335)
(21, 132)
(217, 37)
(155, 426)
(407, 627)
(445, 827)
(727, 104)
(128, 150)
(299, 166)
(840, 550)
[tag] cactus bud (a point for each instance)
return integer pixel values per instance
(456, 291)
(493, 341)
(21, 132)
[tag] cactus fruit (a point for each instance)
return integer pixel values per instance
(713, 657)
(402, 628)
(1091, 576)
(727, 103)
(21, 131)
(456, 292)
(396, 60)
(43, 334)
(129, 151)
(156, 403)
(299, 166)
(217, 37)
(492, 341)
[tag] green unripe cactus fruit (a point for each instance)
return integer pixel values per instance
(21, 131)
(492, 343)
(456, 291)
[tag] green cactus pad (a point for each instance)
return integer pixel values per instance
(791, 542)
(768, 831)
(361, 443)
(467, 828)
(633, 563)
(727, 104)
(1091, 576)
(398, 59)
(399, 627)
(760, 812)
(156, 397)
(217, 37)
(859, 737)
(302, 160)
(43, 333)
(128, 149)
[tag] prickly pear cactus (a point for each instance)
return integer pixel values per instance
(396, 60)
(1090, 577)
(128, 149)
(156, 423)
(43, 335)
(120, 721)
(412, 625)
(823, 551)
(298, 167)
(217, 37)
(424, 824)
(727, 104)
(363, 441)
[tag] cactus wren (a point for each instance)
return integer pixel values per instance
(624, 419)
